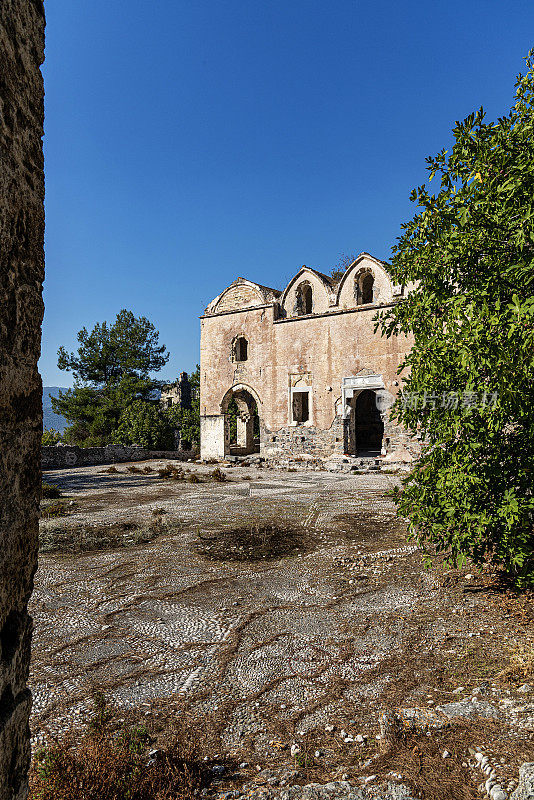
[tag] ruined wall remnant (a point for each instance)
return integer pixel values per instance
(21, 311)
(178, 393)
(66, 456)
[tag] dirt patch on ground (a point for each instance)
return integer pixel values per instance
(374, 531)
(255, 541)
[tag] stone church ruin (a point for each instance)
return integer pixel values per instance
(302, 370)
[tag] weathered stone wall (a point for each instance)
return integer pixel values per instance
(21, 311)
(316, 351)
(61, 457)
(305, 439)
(303, 370)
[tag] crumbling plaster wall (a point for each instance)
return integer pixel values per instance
(21, 311)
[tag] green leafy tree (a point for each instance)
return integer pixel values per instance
(129, 347)
(50, 437)
(112, 368)
(469, 390)
(144, 424)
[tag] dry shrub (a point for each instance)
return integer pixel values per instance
(170, 472)
(135, 470)
(147, 470)
(158, 512)
(521, 666)
(87, 537)
(50, 491)
(218, 475)
(113, 760)
(110, 470)
(193, 478)
(419, 758)
(59, 508)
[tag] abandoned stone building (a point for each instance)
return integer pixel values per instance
(178, 393)
(302, 371)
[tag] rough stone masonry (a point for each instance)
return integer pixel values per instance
(21, 311)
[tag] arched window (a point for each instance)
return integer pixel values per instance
(240, 349)
(304, 304)
(364, 288)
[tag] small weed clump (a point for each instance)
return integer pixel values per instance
(147, 470)
(111, 470)
(218, 475)
(113, 760)
(50, 491)
(521, 665)
(135, 470)
(59, 508)
(170, 472)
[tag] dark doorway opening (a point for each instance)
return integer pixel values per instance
(301, 406)
(367, 427)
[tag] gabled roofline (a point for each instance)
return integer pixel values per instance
(264, 291)
(362, 257)
(329, 286)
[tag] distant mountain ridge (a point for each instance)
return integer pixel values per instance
(50, 419)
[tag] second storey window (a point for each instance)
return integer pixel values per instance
(304, 299)
(240, 349)
(367, 289)
(364, 288)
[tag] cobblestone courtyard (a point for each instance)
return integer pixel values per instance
(271, 649)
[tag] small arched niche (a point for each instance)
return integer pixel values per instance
(240, 348)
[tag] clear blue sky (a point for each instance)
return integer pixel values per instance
(188, 143)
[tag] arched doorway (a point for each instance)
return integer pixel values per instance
(241, 423)
(366, 425)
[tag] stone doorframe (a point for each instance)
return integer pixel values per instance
(354, 385)
(351, 387)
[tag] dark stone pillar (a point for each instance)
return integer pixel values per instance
(21, 312)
